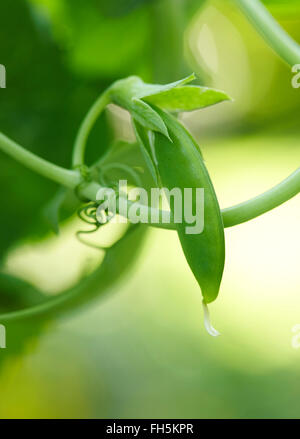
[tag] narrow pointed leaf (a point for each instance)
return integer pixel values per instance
(148, 117)
(153, 89)
(144, 143)
(187, 98)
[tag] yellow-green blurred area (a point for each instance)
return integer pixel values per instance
(141, 350)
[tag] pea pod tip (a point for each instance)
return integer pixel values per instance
(207, 323)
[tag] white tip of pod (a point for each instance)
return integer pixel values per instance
(208, 326)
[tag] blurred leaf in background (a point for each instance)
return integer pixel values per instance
(283, 7)
(97, 44)
(41, 108)
(236, 59)
(120, 38)
(120, 7)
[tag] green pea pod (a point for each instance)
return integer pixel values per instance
(180, 164)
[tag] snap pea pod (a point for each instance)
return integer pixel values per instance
(180, 164)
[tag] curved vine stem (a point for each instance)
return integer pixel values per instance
(263, 203)
(86, 126)
(271, 31)
(56, 173)
(232, 216)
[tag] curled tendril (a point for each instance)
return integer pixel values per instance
(93, 213)
(88, 214)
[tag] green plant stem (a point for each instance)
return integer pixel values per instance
(271, 31)
(168, 23)
(232, 216)
(56, 173)
(86, 126)
(263, 203)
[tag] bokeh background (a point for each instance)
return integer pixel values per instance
(140, 350)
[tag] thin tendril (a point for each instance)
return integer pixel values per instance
(88, 214)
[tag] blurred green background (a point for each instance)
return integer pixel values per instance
(141, 351)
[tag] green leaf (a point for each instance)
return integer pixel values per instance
(144, 143)
(127, 94)
(134, 87)
(145, 90)
(135, 95)
(148, 117)
(187, 98)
